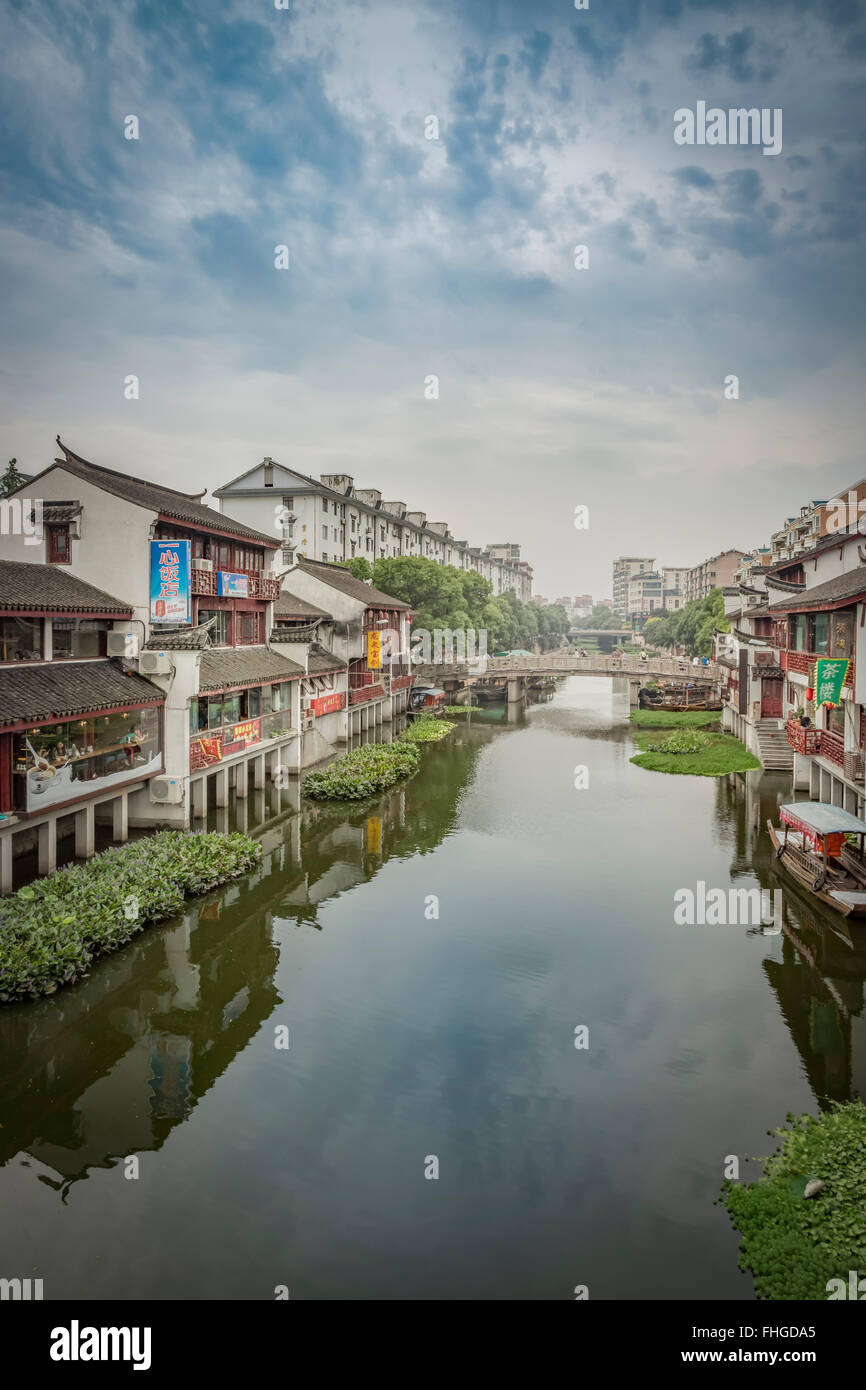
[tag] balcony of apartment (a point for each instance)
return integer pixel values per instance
(203, 581)
(365, 685)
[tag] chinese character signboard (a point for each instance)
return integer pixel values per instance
(169, 582)
(829, 679)
(326, 704)
(232, 585)
(248, 732)
(374, 650)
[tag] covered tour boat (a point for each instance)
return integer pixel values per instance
(427, 699)
(813, 844)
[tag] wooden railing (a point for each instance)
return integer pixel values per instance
(832, 747)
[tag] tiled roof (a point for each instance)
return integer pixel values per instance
(340, 578)
(222, 667)
(51, 588)
(182, 506)
(187, 639)
(290, 606)
(65, 688)
(320, 661)
(848, 586)
(54, 512)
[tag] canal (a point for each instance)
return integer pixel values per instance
(428, 960)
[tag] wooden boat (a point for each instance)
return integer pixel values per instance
(427, 699)
(810, 844)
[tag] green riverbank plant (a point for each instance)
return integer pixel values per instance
(426, 729)
(363, 772)
(795, 1245)
(693, 752)
(51, 930)
(673, 719)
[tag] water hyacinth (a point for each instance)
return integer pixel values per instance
(51, 930)
(363, 772)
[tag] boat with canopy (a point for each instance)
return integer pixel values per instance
(815, 844)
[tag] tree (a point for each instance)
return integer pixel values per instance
(600, 617)
(359, 567)
(11, 480)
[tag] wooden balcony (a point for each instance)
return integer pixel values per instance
(363, 693)
(804, 663)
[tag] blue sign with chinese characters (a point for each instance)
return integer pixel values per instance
(170, 590)
(232, 585)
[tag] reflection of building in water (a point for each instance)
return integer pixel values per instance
(819, 983)
(109, 1067)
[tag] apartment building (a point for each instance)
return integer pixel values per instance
(624, 569)
(329, 519)
(716, 572)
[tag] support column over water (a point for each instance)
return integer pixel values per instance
(222, 787)
(516, 689)
(120, 818)
(48, 846)
(198, 794)
(6, 863)
(242, 778)
(259, 775)
(85, 832)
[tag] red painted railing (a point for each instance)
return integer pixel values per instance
(832, 747)
(366, 692)
(802, 740)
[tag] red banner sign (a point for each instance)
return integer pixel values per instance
(204, 751)
(248, 732)
(326, 704)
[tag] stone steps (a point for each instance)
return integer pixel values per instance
(774, 750)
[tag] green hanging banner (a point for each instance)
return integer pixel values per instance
(829, 678)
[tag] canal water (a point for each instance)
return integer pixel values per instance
(428, 960)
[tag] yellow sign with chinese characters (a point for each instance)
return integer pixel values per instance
(374, 650)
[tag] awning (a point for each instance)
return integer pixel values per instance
(822, 818)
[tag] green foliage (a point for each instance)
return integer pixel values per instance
(691, 627)
(359, 567)
(792, 1244)
(718, 755)
(673, 719)
(448, 598)
(11, 480)
(53, 929)
(427, 728)
(363, 772)
(600, 617)
(684, 741)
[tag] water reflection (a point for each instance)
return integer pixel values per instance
(111, 1066)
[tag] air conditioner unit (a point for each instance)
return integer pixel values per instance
(167, 791)
(199, 564)
(154, 664)
(123, 644)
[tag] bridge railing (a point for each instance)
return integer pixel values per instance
(553, 664)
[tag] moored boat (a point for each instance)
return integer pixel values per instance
(811, 845)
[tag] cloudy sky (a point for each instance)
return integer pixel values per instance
(453, 257)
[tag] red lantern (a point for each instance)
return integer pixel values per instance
(810, 694)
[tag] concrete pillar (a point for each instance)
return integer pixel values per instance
(198, 794)
(120, 818)
(6, 863)
(48, 846)
(516, 689)
(85, 832)
(222, 787)
(851, 800)
(259, 772)
(242, 778)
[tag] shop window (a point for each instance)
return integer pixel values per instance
(81, 638)
(58, 544)
(219, 631)
(842, 634)
(247, 628)
(59, 762)
(20, 639)
(223, 555)
(254, 703)
(214, 711)
(232, 709)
